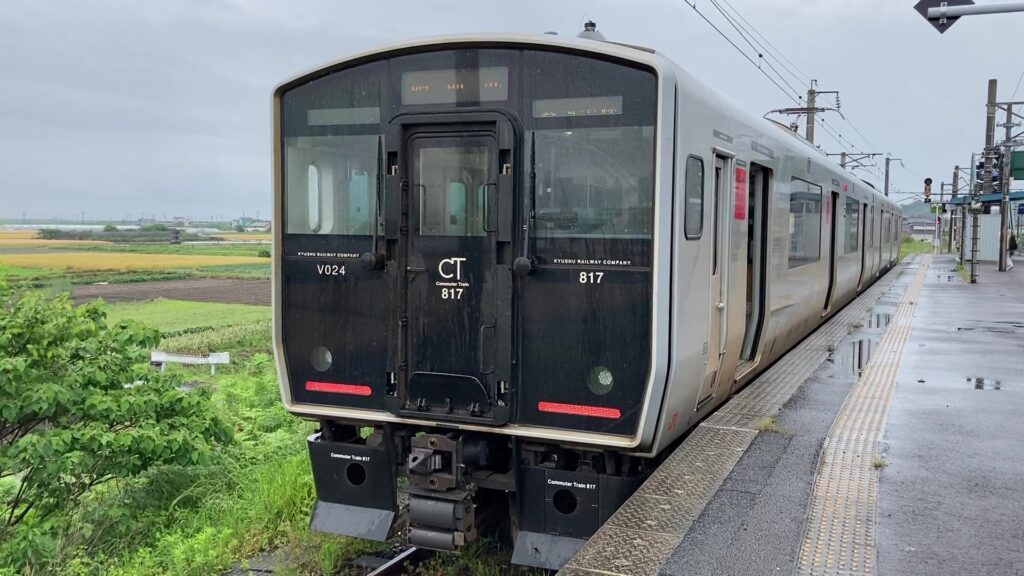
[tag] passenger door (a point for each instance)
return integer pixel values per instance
(832, 213)
(719, 305)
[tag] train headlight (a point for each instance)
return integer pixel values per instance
(321, 359)
(600, 381)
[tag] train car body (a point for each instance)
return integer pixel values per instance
(514, 269)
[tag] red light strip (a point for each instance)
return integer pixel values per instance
(335, 388)
(579, 410)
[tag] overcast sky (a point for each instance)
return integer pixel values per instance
(112, 109)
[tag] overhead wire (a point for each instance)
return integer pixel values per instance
(766, 52)
(740, 50)
(1019, 78)
(758, 48)
(793, 69)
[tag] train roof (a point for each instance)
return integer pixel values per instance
(647, 56)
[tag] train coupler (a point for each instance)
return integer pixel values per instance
(442, 514)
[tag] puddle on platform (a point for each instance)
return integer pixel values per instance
(877, 319)
(985, 383)
(852, 356)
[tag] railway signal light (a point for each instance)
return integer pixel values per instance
(927, 190)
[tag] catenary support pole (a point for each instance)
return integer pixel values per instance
(1004, 202)
(952, 214)
(986, 183)
(811, 97)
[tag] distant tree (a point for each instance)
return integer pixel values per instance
(48, 234)
(239, 227)
(263, 253)
(153, 228)
(78, 408)
(110, 228)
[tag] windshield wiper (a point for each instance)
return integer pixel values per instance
(374, 259)
(525, 264)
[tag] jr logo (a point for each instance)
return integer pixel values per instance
(446, 266)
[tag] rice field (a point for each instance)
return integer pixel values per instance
(87, 260)
(14, 239)
(265, 237)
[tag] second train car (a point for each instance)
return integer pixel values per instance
(511, 270)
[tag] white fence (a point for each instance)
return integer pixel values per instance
(162, 358)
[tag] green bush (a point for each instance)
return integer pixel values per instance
(79, 410)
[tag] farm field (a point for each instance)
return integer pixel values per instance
(82, 260)
(177, 315)
(225, 290)
(25, 257)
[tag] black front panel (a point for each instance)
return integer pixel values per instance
(440, 168)
(336, 342)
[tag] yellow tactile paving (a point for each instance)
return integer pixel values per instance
(839, 537)
(639, 537)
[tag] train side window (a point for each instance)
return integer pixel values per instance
(693, 218)
(805, 215)
(852, 225)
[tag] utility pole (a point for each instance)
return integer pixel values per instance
(1006, 178)
(887, 161)
(986, 182)
(812, 96)
(952, 214)
(810, 109)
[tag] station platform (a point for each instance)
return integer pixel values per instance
(890, 441)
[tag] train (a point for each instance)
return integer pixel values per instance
(511, 271)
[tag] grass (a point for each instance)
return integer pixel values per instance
(878, 462)
(85, 260)
(767, 424)
(245, 338)
(25, 272)
(254, 236)
(910, 246)
(249, 271)
(170, 316)
(211, 249)
(964, 272)
(481, 558)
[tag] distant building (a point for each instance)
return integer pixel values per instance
(919, 228)
(258, 226)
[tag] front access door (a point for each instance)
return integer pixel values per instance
(453, 354)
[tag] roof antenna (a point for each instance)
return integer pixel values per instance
(590, 32)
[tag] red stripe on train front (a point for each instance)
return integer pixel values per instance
(338, 388)
(579, 410)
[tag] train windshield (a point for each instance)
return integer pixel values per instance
(331, 184)
(594, 182)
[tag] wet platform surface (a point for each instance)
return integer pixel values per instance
(950, 497)
(899, 450)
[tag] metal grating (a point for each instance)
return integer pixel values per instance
(839, 536)
(638, 538)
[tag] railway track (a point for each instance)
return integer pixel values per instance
(399, 564)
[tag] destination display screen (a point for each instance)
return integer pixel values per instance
(452, 86)
(562, 107)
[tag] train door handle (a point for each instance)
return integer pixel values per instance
(720, 305)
